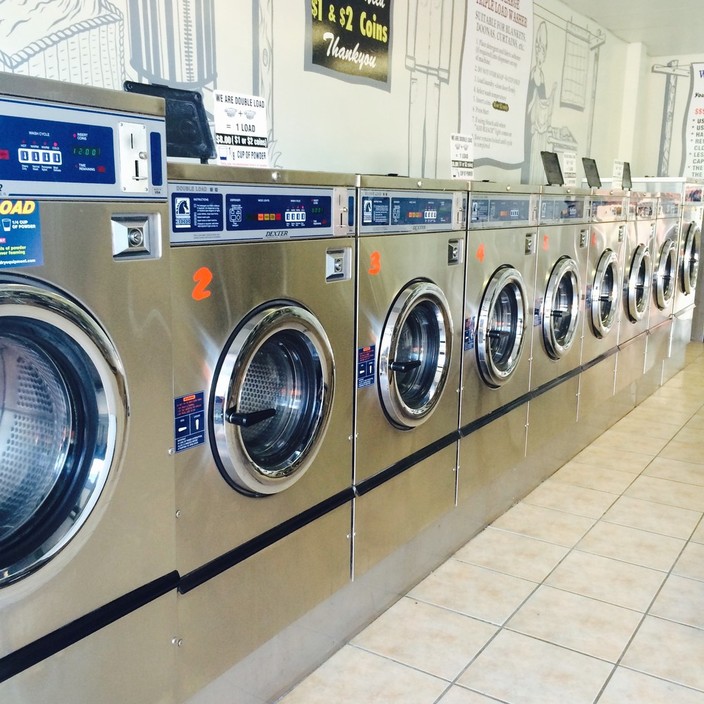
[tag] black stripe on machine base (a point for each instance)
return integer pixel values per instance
(50, 644)
(406, 463)
(498, 413)
(600, 358)
(223, 563)
(555, 382)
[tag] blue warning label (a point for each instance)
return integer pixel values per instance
(20, 234)
(189, 421)
(366, 363)
(470, 331)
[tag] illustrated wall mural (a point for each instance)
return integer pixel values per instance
(519, 76)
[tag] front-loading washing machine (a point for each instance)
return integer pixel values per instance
(498, 321)
(636, 291)
(410, 279)
(263, 291)
(609, 214)
(86, 478)
(558, 317)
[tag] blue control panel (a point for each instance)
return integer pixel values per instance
(400, 211)
(501, 211)
(222, 213)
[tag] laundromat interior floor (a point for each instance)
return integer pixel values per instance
(591, 589)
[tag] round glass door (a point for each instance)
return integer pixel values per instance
(561, 308)
(665, 274)
(414, 354)
(501, 326)
(605, 294)
(690, 258)
(63, 411)
(271, 399)
(638, 285)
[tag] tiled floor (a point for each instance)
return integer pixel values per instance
(589, 590)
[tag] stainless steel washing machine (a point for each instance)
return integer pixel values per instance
(498, 317)
(607, 232)
(264, 293)
(410, 279)
(636, 289)
(558, 318)
(86, 478)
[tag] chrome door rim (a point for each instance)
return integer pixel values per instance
(665, 274)
(602, 324)
(412, 296)
(557, 346)
(640, 277)
(690, 259)
(236, 462)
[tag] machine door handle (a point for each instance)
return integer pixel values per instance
(246, 420)
(404, 366)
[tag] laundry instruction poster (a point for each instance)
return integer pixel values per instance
(496, 75)
(694, 125)
(240, 129)
(351, 37)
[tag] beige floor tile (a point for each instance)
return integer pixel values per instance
(571, 499)
(627, 686)
(676, 470)
(681, 600)
(545, 524)
(685, 451)
(696, 421)
(521, 670)
(691, 563)
(698, 535)
(634, 425)
(691, 435)
(639, 547)
(352, 676)
(427, 637)
(633, 462)
(651, 414)
(608, 580)
(459, 695)
(656, 517)
(668, 650)
(630, 442)
(474, 591)
(589, 626)
(665, 491)
(592, 476)
(511, 553)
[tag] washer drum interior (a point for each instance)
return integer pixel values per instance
(638, 284)
(605, 294)
(561, 308)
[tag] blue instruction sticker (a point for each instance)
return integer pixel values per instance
(189, 421)
(470, 331)
(20, 234)
(366, 362)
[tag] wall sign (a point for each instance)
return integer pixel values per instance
(694, 126)
(351, 37)
(240, 129)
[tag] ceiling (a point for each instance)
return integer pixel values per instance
(666, 28)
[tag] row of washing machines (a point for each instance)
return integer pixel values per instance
(234, 398)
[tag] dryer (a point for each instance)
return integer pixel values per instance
(263, 286)
(558, 318)
(636, 291)
(410, 278)
(609, 216)
(498, 316)
(86, 478)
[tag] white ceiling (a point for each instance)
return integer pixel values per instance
(666, 27)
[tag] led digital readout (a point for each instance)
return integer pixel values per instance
(84, 150)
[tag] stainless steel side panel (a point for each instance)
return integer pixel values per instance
(630, 362)
(596, 385)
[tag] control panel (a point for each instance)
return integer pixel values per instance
(217, 212)
(609, 209)
(502, 211)
(558, 209)
(51, 150)
(383, 211)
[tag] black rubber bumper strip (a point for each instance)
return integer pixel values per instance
(239, 554)
(60, 639)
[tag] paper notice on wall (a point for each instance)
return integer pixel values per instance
(617, 178)
(461, 156)
(569, 168)
(694, 125)
(496, 68)
(240, 129)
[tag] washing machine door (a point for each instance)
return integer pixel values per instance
(271, 399)
(561, 307)
(415, 349)
(665, 274)
(501, 326)
(605, 294)
(640, 276)
(689, 267)
(63, 411)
